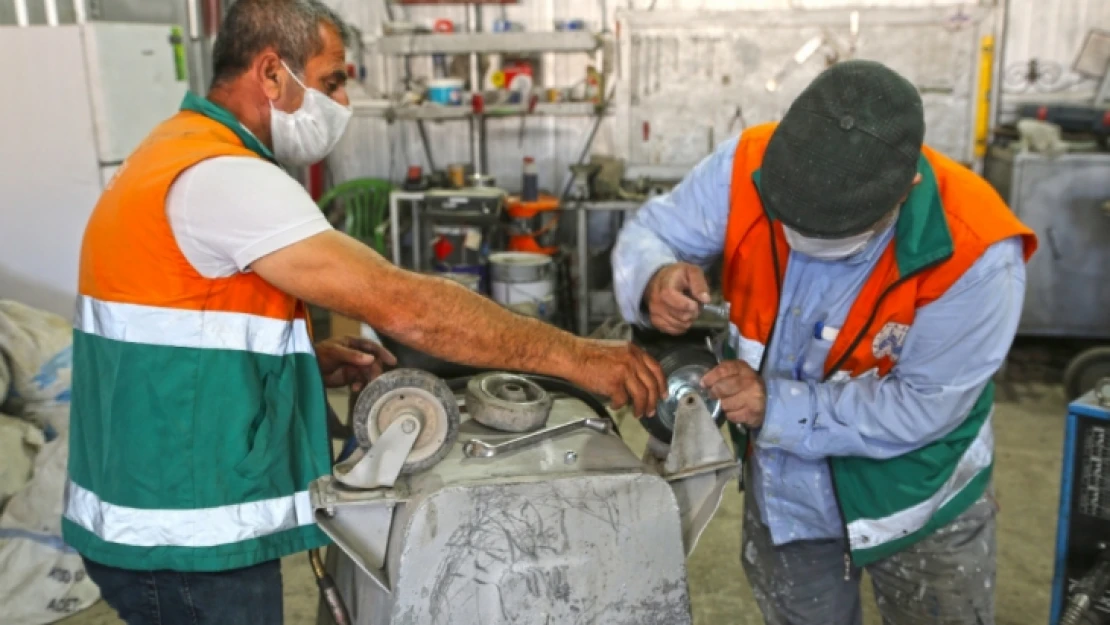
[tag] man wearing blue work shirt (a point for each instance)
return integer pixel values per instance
(875, 287)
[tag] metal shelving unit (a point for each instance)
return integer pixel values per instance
(473, 42)
(436, 112)
(489, 43)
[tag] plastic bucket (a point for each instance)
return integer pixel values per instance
(524, 282)
(446, 91)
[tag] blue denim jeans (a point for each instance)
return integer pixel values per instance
(250, 596)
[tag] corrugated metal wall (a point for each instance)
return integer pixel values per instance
(1049, 31)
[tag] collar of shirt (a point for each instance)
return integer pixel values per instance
(211, 110)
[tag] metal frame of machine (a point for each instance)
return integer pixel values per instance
(560, 520)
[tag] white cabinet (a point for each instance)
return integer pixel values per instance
(81, 98)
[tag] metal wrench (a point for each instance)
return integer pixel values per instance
(475, 448)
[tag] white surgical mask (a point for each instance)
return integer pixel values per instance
(835, 249)
(827, 249)
(310, 133)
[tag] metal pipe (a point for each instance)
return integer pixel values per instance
(417, 247)
(21, 18)
(194, 24)
(1002, 28)
(583, 248)
(79, 11)
(192, 17)
(51, 8)
(426, 144)
(477, 134)
(395, 228)
(395, 199)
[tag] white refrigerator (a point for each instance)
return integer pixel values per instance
(77, 100)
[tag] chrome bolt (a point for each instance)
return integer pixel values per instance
(408, 426)
(570, 457)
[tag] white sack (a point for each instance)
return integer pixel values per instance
(43, 581)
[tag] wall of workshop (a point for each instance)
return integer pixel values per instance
(141, 11)
(1049, 31)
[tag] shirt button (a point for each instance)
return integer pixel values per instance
(797, 311)
(795, 391)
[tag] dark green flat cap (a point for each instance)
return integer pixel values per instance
(845, 153)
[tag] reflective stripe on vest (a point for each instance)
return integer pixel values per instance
(866, 533)
(206, 527)
(202, 329)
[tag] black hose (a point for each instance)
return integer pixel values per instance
(328, 590)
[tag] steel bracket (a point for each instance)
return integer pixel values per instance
(698, 464)
(380, 466)
(358, 522)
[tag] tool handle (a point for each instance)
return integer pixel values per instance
(475, 448)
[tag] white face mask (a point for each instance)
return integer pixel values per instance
(835, 249)
(310, 133)
(827, 249)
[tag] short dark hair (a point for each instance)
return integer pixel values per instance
(292, 27)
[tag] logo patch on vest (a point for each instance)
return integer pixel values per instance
(889, 341)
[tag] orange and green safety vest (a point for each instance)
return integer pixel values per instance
(949, 219)
(198, 413)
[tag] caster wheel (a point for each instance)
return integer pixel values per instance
(1085, 371)
(409, 391)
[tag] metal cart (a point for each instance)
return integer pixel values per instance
(1066, 201)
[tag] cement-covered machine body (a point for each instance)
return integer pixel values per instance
(573, 529)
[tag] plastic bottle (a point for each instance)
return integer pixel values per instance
(531, 190)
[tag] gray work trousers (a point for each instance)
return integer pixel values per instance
(946, 579)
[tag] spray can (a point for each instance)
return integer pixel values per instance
(531, 189)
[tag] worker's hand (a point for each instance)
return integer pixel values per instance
(673, 295)
(622, 372)
(741, 391)
(351, 361)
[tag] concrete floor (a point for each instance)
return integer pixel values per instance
(1029, 425)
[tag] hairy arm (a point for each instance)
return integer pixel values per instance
(444, 319)
(434, 315)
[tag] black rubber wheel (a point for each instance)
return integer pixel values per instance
(1085, 370)
(670, 361)
(407, 379)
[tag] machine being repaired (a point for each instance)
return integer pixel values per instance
(528, 508)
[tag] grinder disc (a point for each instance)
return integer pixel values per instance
(683, 368)
(409, 391)
(507, 402)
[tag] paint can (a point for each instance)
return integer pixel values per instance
(471, 281)
(473, 277)
(524, 282)
(445, 91)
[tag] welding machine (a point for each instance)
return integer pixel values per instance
(1082, 578)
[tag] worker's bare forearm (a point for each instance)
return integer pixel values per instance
(444, 319)
(433, 315)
